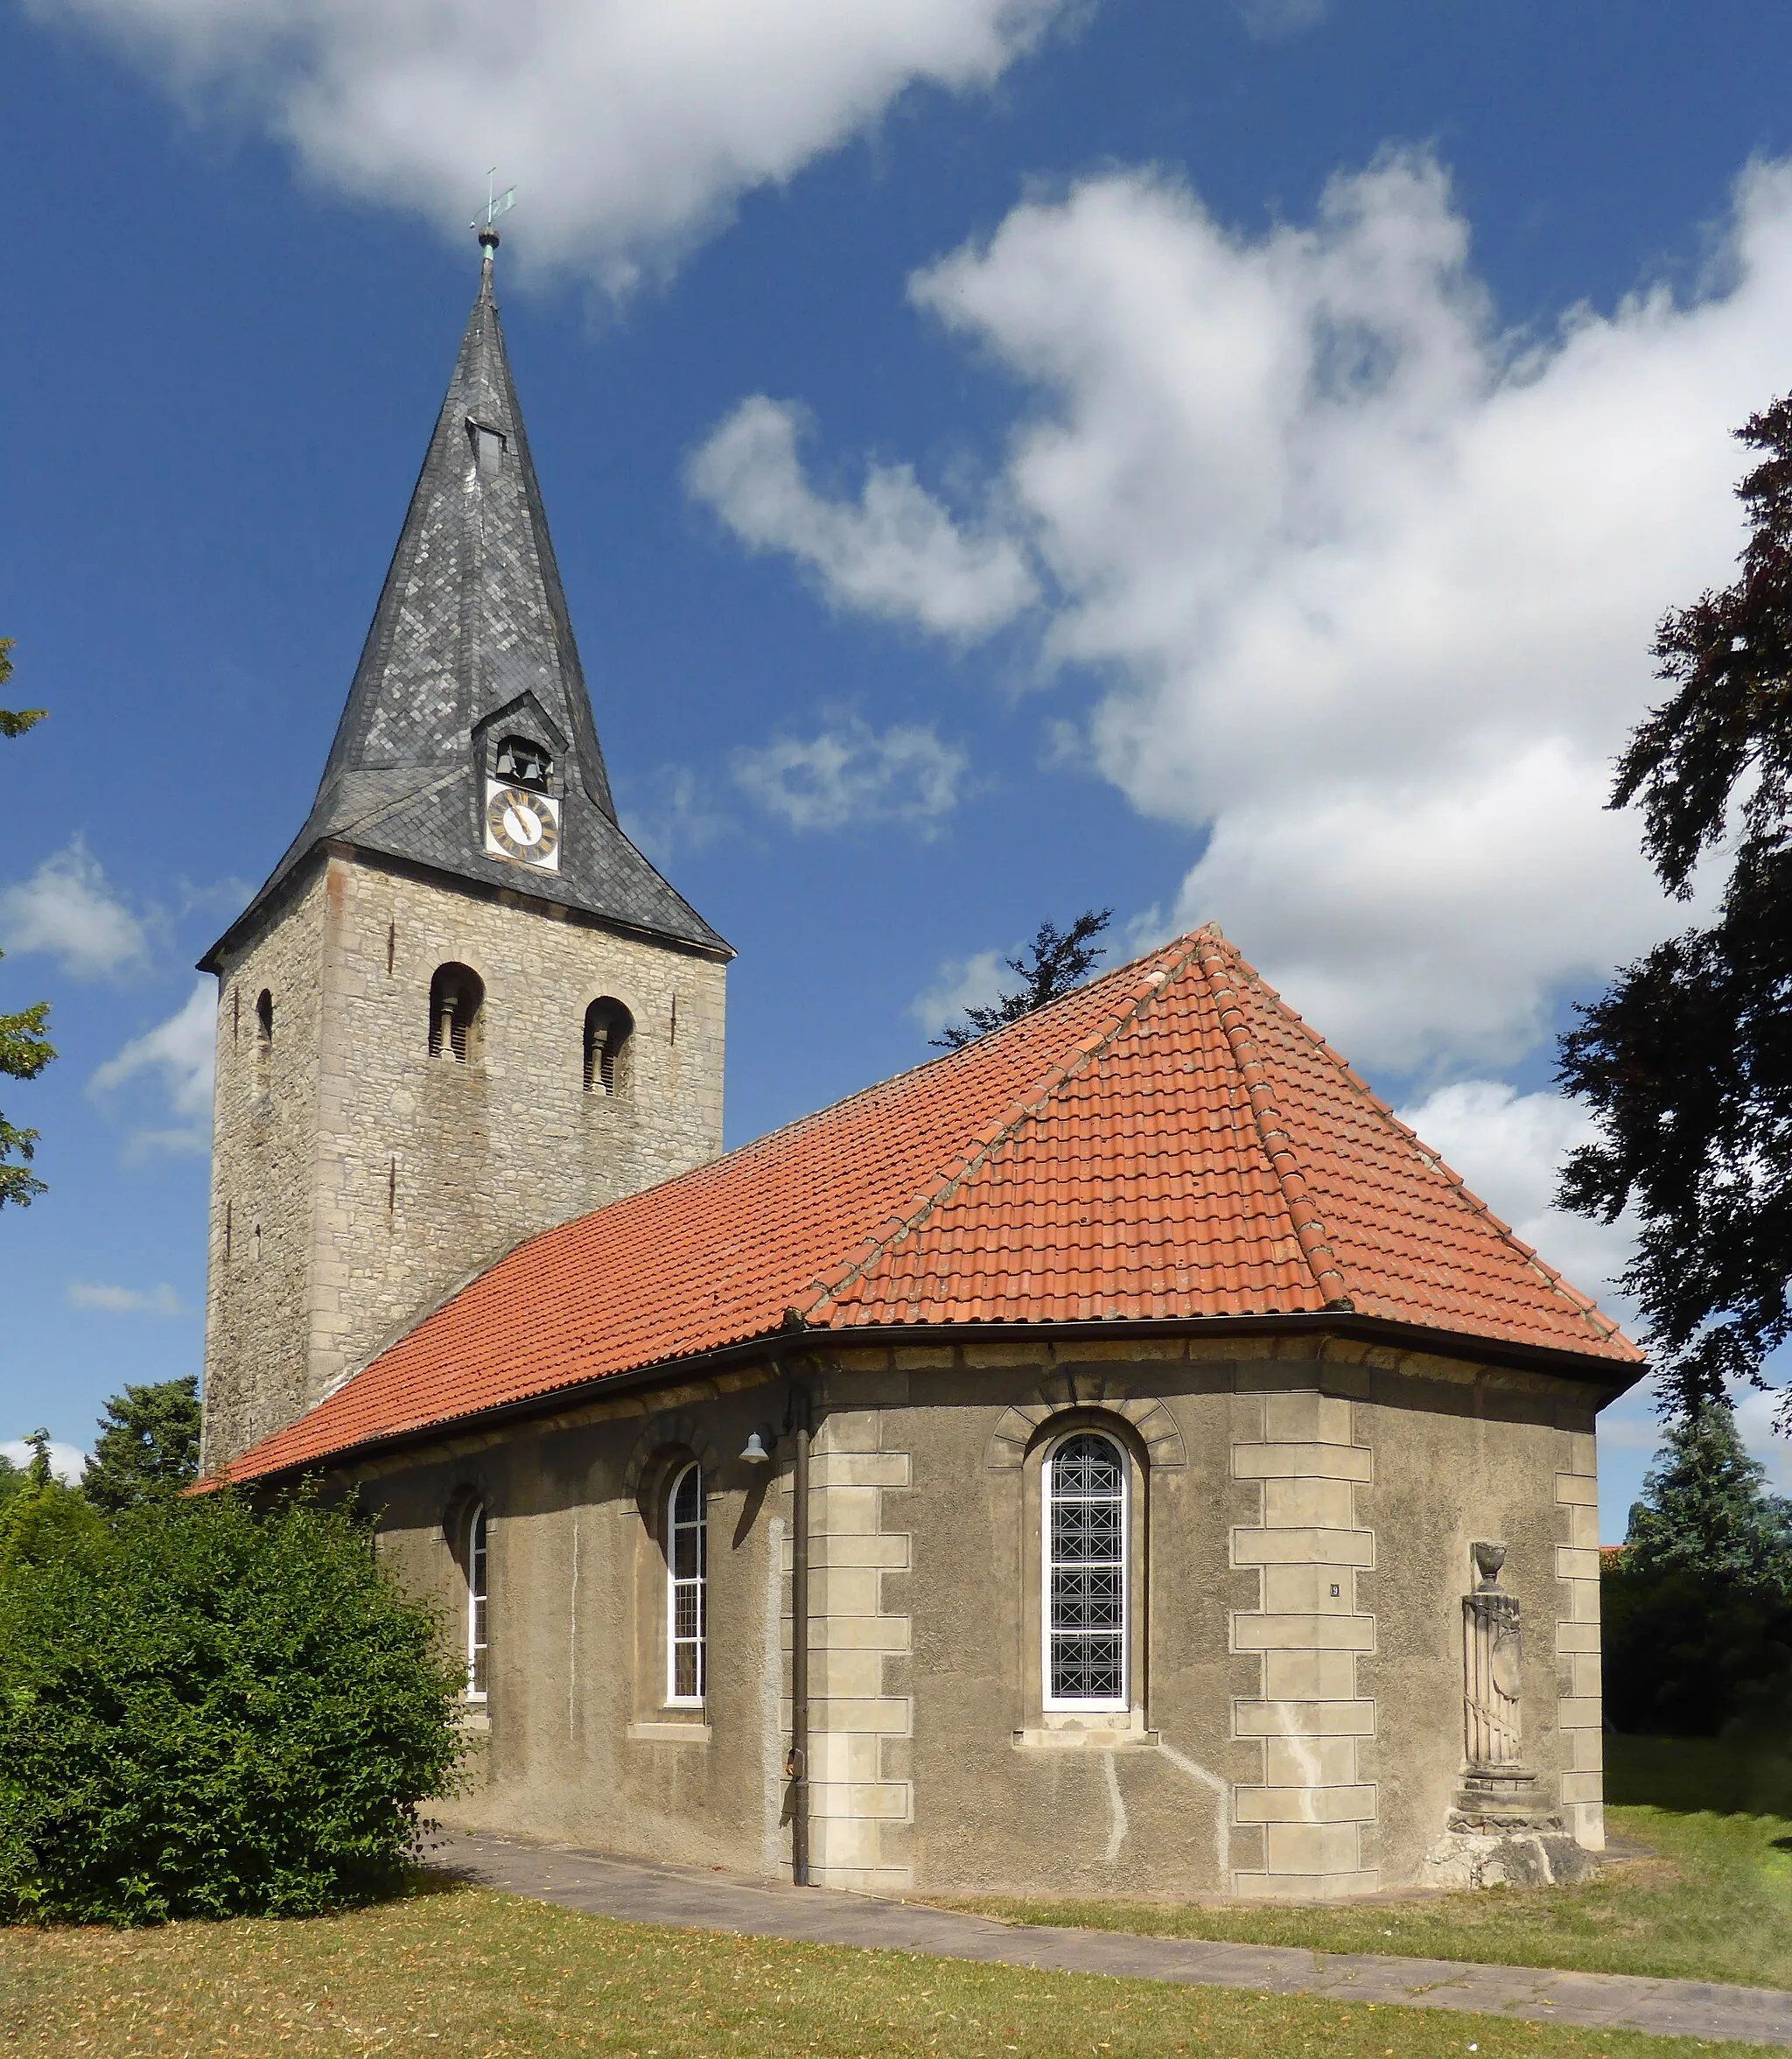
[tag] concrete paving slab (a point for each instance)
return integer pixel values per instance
(687, 1898)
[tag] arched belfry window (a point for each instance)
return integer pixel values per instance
(264, 1035)
(687, 1583)
(608, 1027)
(456, 996)
(1086, 1570)
(474, 1559)
(522, 762)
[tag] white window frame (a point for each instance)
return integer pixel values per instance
(478, 1600)
(1048, 1498)
(697, 1585)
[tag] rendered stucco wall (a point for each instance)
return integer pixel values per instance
(1284, 1740)
(383, 1177)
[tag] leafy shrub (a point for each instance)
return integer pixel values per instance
(211, 1712)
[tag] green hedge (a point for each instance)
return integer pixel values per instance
(1692, 1654)
(206, 1711)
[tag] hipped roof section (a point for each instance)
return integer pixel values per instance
(1170, 1143)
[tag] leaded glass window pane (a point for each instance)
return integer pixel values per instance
(687, 1569)
(1086, 1573)
(476, 1598)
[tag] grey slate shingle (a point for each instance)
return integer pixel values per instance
(473, 616)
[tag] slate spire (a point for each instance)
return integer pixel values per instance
(471, 640)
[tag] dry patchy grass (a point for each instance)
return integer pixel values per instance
(485, 1976)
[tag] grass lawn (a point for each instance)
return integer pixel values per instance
(1712, 1901)
(479, 1975)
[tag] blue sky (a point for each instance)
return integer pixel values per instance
(1005, 456)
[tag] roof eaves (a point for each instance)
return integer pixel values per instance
(1590, 1369)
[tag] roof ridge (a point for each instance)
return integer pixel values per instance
(1272, 1130)
(1583, 1304)
(1019, 1111)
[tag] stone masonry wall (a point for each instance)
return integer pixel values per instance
(264, 1117)
(1580, 1704)
(860, 1719)
(396, 1175)
(1306, 1632)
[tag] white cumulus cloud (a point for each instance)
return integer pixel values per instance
(630, 126)
(64, 911)
(162, 1300)
(851, 776)
(178, 1056)
(895, 551)
(1358, 584)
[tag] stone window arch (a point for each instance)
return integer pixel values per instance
(609, 1058)
(456, 1001)
(264, 1036)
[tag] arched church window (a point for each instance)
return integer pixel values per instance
(456, 996)
(1085, 1561)
(476, 1591)
(687, 1582)
(522, 763)
(608, 1027)
(264, 1036)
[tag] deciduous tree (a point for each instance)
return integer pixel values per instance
(1687, 1060)
(25, 1050)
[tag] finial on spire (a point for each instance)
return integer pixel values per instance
(496, 203)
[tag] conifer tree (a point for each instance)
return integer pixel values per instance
(1705, 1510)
(1055, 963)
(148, 1446)
(1687, 1060)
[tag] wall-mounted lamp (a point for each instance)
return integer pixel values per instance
(757, 1451)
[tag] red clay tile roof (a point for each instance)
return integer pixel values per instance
(1171, 1141)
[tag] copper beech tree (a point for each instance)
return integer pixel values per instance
(1687, 1060)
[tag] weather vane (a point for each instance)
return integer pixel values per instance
(496, 203)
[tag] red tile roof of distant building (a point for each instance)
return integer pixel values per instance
(1168, 1143)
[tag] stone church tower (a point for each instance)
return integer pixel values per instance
(463, 1007)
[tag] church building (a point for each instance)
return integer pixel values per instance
(1114, 1457)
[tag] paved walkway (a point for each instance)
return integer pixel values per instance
(687, 1899)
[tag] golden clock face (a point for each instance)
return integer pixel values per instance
(522, 826)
